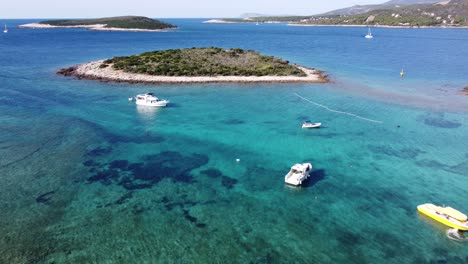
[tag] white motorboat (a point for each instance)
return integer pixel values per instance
(149, 99)
(308, 124)
(369, 34)
(298, 174)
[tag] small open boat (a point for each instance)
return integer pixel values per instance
(308, 124)
(457, 235)
(445, 215)
(298, 174)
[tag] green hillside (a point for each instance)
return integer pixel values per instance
(452, 13)
(204, 62)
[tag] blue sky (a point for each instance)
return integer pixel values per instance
(167, 8)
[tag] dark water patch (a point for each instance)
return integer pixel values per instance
(92, 170)
(270, 122)
(174, 105)
(461, 168)
(390, 245)
(45, 198)
(119, 164)
(393, 196)
(233, 121)
(124, 198)
(185, 209)
(131, 185)
(114, 138)
(188, 216)
(142, 175)
(212, 173)
(165, 200)
(228, 182)
(302, 118)
(183, 204)
(315, 176)
(438, 120)
(326, 135)
(104, 176)
(404, 153)
(439, 261)
(146, 137)
(259, 183)
(440, 251)
(90, 163)
(346, 237)
(431, 164)
(99, 151)
(134, 166)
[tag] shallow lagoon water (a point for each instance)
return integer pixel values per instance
(86, 176)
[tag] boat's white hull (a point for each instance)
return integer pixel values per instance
(315, 125)
(153, 104)
(297, 178)
(368, 36)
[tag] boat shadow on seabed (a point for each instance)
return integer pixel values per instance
(315, 176)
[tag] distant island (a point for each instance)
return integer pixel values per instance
(465, 91)
(121, 23)
(195, 65)
(395, 13)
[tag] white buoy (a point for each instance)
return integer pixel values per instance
(237, 160)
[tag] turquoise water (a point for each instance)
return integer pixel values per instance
(87, 177)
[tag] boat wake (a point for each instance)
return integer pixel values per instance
(336, 111)
(455, 234)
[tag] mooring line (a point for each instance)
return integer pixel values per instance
(336, 111)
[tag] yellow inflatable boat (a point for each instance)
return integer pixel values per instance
(445, 215)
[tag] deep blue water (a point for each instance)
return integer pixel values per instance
(85, 176)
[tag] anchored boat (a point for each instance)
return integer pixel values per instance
(149, 99)
(445, 215)
(369, 34)
(298, 174)
(308, 124)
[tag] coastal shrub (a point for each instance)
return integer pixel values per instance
(210, 61)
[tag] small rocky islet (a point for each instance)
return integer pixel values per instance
(120, 23)
(212, 64)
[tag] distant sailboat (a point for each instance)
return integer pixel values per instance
(402, 73)
(5, 30)
(369, 34)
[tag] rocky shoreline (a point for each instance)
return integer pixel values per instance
(96, 71)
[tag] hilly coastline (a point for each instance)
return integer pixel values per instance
(395, 13)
